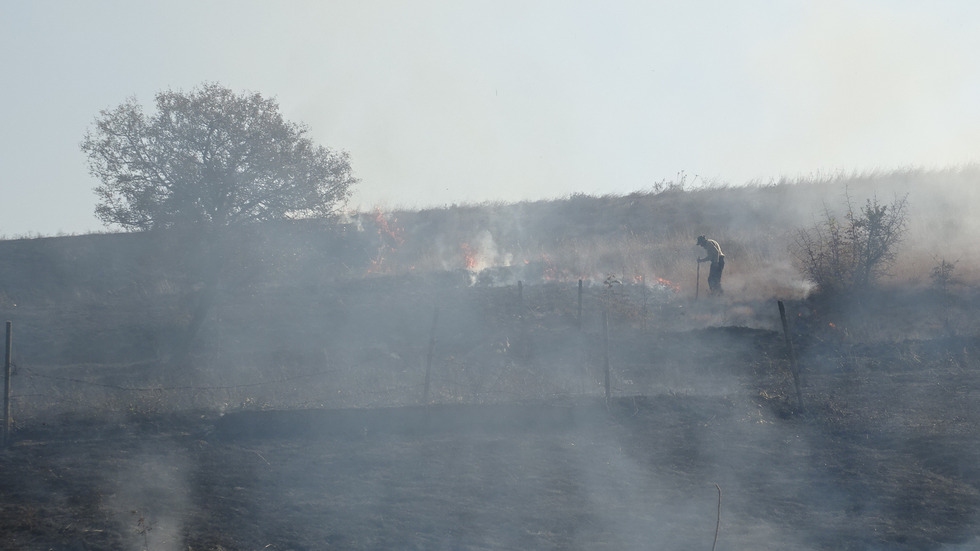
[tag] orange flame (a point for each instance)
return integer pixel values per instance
(669, 284)
(390, 237)
(387, 229)
(469, 257)
(551, 272)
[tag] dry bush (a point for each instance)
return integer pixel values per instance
(299, 302)
(845, 254)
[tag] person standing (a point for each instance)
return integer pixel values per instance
(717, 260)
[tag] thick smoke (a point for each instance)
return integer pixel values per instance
(149, 497)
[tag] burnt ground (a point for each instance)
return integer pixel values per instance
(883, 457)
(294, 420)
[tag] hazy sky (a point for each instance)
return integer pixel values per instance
(456, 101)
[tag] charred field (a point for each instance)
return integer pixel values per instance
(882, 457)
(344, 394)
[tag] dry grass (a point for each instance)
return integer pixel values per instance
(701, 390)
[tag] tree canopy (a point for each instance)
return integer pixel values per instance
(211, 157)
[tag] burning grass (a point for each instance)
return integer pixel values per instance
(301, 419)
(522, 452)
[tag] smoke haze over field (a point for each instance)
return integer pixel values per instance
(444, 102)
(387, 382)
(431, 376)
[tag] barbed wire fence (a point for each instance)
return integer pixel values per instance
(552, 346)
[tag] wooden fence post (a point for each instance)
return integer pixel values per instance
(428, 359)
(645, 310)
(605, 349)
(522, 342)
(792, 357)
(697, 286)
(6, 386)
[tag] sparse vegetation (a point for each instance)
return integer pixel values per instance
(942, 275)
(943, 279)
(851, 253)
(305, 427)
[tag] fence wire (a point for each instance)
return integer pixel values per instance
(548, 348)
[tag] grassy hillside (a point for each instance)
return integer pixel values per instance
(120, 297)
(310, 291)
(296, 417)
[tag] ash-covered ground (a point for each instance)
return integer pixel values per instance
(439, 383)
(527, 453)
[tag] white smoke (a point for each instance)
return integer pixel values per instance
(150, 500)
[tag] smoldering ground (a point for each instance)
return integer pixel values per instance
(299, 422)
(148, 496)
(637, 471)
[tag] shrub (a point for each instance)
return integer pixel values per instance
(841, 255)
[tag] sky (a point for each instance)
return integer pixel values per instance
(442, 102)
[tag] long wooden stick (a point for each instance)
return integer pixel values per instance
(605, 351)
(697, 287)
(718, 522)
(428, 359)
(6, 386)
(794, 367)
